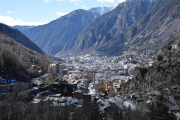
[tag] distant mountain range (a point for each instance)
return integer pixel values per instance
(20, 38)
(53, 36)
(21, 28)
(134, 26)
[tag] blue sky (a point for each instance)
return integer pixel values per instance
(37, 12)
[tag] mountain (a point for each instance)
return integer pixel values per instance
(106, 29)
(134, 26)
(53, 36)
(102, 10)
(16, 60)
(20, 38)
(21, 28)
(156, 30)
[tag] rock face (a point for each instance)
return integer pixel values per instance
(156, 30)
(53, 36)
(20, 38)
(133, 26)
(164, 73)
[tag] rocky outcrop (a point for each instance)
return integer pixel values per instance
(164, 73)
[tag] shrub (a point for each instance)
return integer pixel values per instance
(159, 57)
(169, 47)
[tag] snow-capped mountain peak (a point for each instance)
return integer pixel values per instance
(102, 10)
(140, 0)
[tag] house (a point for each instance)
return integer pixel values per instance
(65, 71)
(78, 94)
(167, 91)
(93, 87)
(173, 87)
(123, 79)
(176, 45)
(109, 83)
(133, 96)
(61, 66)
(100, 87)
(176, 111)
(110, 88)
(116, 86)
(88, 75)
(53, 68)
(131, 71)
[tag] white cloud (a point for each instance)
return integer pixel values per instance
(76, 0)
(11, 21)
(120, 1)
(46, 1)
(60, 0)
(76, 3)
(61, 13)
(10, 12)
(106, 1)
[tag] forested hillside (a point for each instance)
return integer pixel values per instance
(19, 62)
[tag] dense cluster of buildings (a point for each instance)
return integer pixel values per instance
(100, 74)
(97, 77)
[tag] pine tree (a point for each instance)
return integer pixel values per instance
(128, 113)
(160, 112)
(117, 113)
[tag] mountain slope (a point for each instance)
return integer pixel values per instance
(108, 27)
(19, 37)
(134, 26)
(164, 73)
(157, 29)
(52, 36)
(16, 60)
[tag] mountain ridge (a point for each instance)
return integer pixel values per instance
(116, 32)
(51, 37)
(16, 60)
(107, 26)
(19, 37)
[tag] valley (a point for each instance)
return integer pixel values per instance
(104, 63)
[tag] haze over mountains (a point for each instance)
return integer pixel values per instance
(133, 26)
(21, 28)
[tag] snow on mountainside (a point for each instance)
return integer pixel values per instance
(53, 36)
(102, 10)
(140, 0)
